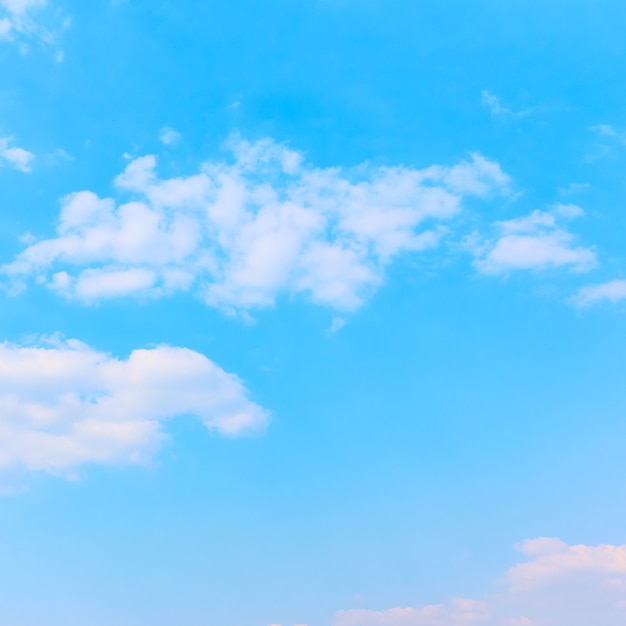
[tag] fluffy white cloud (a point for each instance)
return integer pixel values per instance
(560, 585)
(239, 233)
(63, 404)
(14, 156)
(537, 241)
(612, 291)
(553, 563)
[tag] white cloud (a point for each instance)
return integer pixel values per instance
(457, 613)
(493, 103)
(560, 585)
(612, 291)
(18, 23)
(607, 138)
(168, 136)
(605, 130)
(64, 404)
(14, 156)
(5, 28)
(554, 562)
(496, 108)
(537, 242)
(568, 211)
(20, 7)
(16, 16)
(337, 324)
(239, 233)
(574, 188)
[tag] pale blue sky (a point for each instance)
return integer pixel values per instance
(313, 313)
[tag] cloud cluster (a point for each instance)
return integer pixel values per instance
(560, 585)
(16, 18)
(538, 241)
(63, 404)
(15, 156)
(241, 232)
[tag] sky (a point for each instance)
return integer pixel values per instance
(313, 313)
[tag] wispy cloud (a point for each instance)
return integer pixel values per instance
(64, 404)
(168, 136)
(612, 291)
(559, 585)
(494, 104)
(607, 137)
(605, 130)
(21, 20)
(574, 189)
(238, 233)
(337, 324)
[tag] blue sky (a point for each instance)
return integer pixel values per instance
(313, 313)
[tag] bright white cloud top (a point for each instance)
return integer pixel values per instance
(63, 404)
(560, 585)
(238, 234)
(539, 241)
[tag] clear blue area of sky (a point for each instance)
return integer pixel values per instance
(454, 414)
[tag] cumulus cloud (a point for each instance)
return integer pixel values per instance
(240, 232)
(538, 241)
(612, 291)
(64, 404)
(13, 156)
(559, 585)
